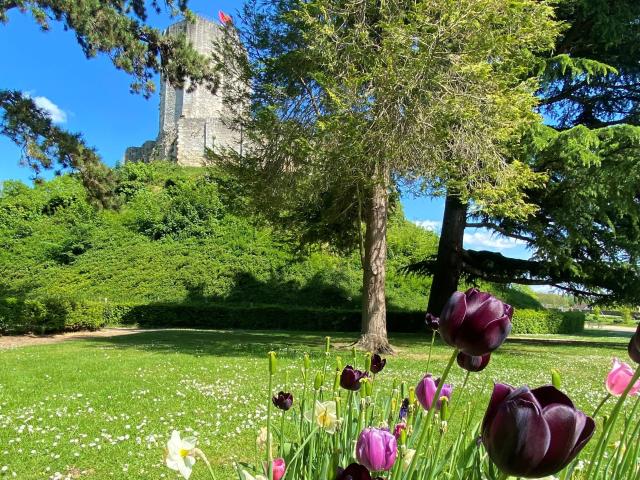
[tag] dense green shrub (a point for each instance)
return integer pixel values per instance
(49, 315)
(527, 321)
(182, 239)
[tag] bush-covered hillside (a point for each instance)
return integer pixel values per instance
(179, 236)
(182, 250)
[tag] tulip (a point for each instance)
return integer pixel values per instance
(533, 433)
(223, 17)
(353, 472)
(432, 322)
(475, 322)
(473, 363)
(376, 449)
(350, 378)
(404, 409)
(398, 429)
(634, 346)
(180, 454)
(426, 390)
(278, 468)
(618, 379)
(283, 401)
(377, 363)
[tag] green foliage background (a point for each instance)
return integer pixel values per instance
(181, 235)
(183, 250)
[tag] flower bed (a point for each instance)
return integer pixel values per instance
(343, 427)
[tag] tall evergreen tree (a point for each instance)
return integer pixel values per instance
(583, 234)
(351, 99)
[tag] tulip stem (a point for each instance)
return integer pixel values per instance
(299, 451)
(282, 434)
(427, 422)
(269, 459)
(455, 404)
(433, 338)
(604, 400)
(609, 425)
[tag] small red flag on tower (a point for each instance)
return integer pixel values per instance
(224, 18)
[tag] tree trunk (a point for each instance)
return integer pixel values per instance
(374, 310)
(449, 260)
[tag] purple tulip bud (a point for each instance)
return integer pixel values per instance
(475, 322)
(634, 346)
(283, 401)
(350, 378)
(404, 409)
(472, 363)
(376, 449)
(432, 322)
(377, 363)
(533, 433)
(426, 390)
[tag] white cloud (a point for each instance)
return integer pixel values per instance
(55, 112)
(488, 240)
(431, 225)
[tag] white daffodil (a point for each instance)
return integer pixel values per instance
(248, 476)
(324, 414)
(407, 457)
(180, 454)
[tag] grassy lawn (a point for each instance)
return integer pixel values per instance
(104, 408)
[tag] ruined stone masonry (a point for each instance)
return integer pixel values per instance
(189, 121)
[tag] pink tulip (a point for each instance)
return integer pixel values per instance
(397, 430)
(224, 18)
(619, 377)
(426, 390)
(278, 468)
(376, 449)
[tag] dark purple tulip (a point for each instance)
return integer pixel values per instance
(353, 472)
(472, 363)
(432, 322)
(350, 378)
(426, 391)
(377, 363)
(283, 401)
(634, 346)
(475, 322)
(533, 433)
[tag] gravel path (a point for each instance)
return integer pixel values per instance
(15, 341)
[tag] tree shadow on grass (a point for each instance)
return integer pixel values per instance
(221, 343)
(293, 344)
(241, 343)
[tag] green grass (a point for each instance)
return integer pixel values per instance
(106, 406)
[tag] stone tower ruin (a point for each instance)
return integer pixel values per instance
(190, 122)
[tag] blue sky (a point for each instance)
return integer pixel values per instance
(92, 97)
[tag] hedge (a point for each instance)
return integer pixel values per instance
(527, 321)
(52, 315)
(56, 314)
(49, 315)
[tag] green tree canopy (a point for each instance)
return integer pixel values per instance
(350, 99)
(583, 235)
